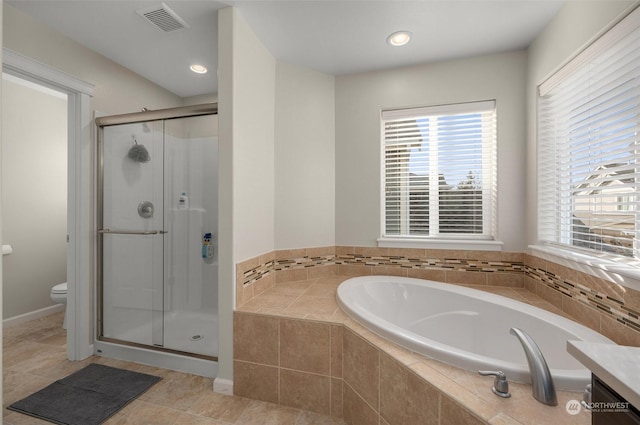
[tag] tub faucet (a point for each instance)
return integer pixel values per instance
(541, 381)
(500, 384)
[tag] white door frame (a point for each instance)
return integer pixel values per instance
(80, 220)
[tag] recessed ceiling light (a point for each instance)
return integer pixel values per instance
(199, 69)
(399, 38)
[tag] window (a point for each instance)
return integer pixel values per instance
(589, 148)
(439, 171)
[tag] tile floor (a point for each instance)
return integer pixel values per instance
(34, 355)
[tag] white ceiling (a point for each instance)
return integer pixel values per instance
(332, 36)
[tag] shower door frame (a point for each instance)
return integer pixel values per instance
(132, 118)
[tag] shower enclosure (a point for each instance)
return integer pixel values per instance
(157, 218)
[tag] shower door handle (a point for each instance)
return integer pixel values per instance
(133, 232)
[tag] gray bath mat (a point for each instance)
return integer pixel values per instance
(88, 397)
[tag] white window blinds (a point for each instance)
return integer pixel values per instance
(589, 149)
(440, 171)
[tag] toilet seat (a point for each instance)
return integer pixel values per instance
(60, 288)
(59, 296)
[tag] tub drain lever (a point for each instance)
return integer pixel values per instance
(500, 384)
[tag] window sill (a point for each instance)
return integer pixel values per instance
(421, 243)
(626, 274)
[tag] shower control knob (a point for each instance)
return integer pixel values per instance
(145, 209)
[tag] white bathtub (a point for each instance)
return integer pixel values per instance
(465, 327)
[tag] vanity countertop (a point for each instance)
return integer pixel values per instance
(618, 366)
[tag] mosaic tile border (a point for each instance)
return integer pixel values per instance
(606, 304)
(304, 262)
(253, 275)
(467, 265)
(408, 262)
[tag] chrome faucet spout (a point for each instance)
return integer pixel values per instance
(542, 384)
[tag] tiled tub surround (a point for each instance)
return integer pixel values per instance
(294, 346)
(603, 306)
(292, 294)
(256, 275)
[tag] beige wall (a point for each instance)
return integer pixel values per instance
(277, 131)
(576, 25)
(246, 139)
(117, 89)
(253, 85)
(34, 196)
(304, 158)
(361, 97)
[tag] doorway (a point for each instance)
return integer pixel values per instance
(34, 194)
(80, 273)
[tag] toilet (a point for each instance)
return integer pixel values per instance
(59, 296)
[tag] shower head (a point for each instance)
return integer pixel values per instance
(139, 153)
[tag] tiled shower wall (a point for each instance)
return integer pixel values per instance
(603, 306)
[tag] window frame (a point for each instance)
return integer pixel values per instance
(561, 234)
(487, 240)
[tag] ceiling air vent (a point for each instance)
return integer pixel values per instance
(163, 18)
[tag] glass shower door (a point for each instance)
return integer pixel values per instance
(133, 233)
(158, 233)
(191, 218)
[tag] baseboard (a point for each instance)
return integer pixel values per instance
(26, 317)
(223, 386)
